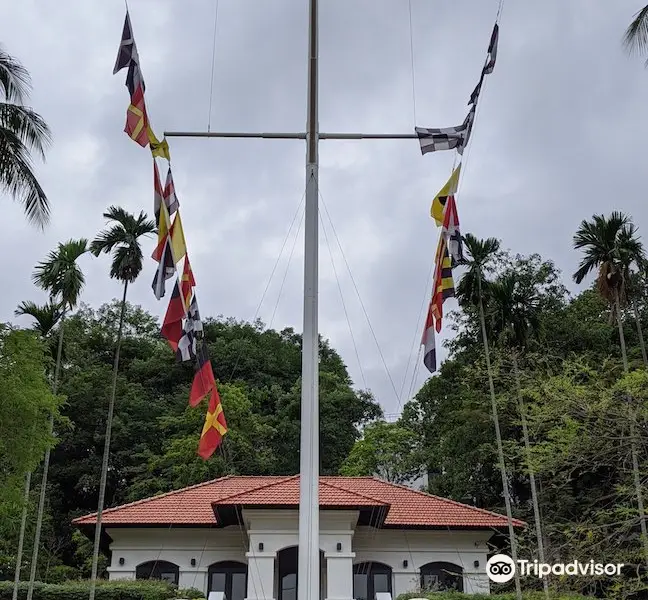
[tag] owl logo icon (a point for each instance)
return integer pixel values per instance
(500, 568)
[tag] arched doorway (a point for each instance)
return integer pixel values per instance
(158, 569)
(229, 577)
(370, 578)
(441, 577)
(287, 580)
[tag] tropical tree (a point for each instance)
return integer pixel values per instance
(22, 132)
(62, 278)
(635, 38)
(610, 245)
(515, 317)
(122, 240)
(470, 292)
(46, 318)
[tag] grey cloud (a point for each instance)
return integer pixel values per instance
(557, 138)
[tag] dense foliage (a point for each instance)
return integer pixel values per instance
(155, 433)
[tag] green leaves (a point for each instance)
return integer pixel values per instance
(60, 275)
(22, 131)
(122, 240)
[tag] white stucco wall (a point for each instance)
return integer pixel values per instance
(277, 530)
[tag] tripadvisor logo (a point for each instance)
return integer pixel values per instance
(501, 568)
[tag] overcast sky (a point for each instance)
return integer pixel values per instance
(560, 134)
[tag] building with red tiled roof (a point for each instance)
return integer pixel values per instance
(238, 535)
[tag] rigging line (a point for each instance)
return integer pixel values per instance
(364, 310)
(416, 329)
(283, 281)
(211, 85)
(274, 268)
(346, 314)
(411, 39)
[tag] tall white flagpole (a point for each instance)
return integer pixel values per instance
(308, 572)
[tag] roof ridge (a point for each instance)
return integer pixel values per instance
(446, 500)
(348, 491)
(256, 489)
(152, 498)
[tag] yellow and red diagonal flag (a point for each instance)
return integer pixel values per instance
(188, 283)
(439, 201)
(215, 426)
(443, 282)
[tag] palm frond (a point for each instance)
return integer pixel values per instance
(15, 83)
(46, 316)
(122, 239)
(60, 275)
(29, 127)
(18, 178)
(635, 38)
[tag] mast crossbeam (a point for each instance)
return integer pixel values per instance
(293, 136)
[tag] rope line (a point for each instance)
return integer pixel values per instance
(364, 310)
(211, 85)
(346, 314)
(411, 40)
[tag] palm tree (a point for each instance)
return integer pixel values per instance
(61, 276)
(22, 132)
(635, 38)
(514, 310)
(46, 318)
(607, 244)
(122, 240)
(470, 292)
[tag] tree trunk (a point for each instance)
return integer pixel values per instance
(21, 539)
(106, 454)
(46, 461)
(640, 332)
(500, 449)
(637, 482)
(534, 489)
(633, 442)
(621, 336)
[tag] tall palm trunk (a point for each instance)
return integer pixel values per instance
(633, 441)
(41, 501)
(500, 448)
(534, 489)
(106, 454)
(21, 539)
(642, 343)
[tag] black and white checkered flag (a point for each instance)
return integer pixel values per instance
(450, 138)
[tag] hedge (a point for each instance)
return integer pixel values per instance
(106, 590)
(509, 596)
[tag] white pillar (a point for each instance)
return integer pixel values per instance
(339, 575)
(261, 569)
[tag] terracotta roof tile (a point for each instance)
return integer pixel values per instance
(193, 505)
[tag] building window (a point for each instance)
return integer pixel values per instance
(369, 578)
(158, 569)
(441, 576)
(229, 577)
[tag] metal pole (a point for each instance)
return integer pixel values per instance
(308, 575)
(292, 136)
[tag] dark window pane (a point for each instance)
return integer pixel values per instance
(289, 587)
(238, 586)
(360, 586)
(380, 582)
(218, 582)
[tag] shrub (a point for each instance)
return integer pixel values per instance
(106, 590)
(509, 596)
(191, 594)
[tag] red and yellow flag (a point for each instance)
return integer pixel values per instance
(215, 426)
